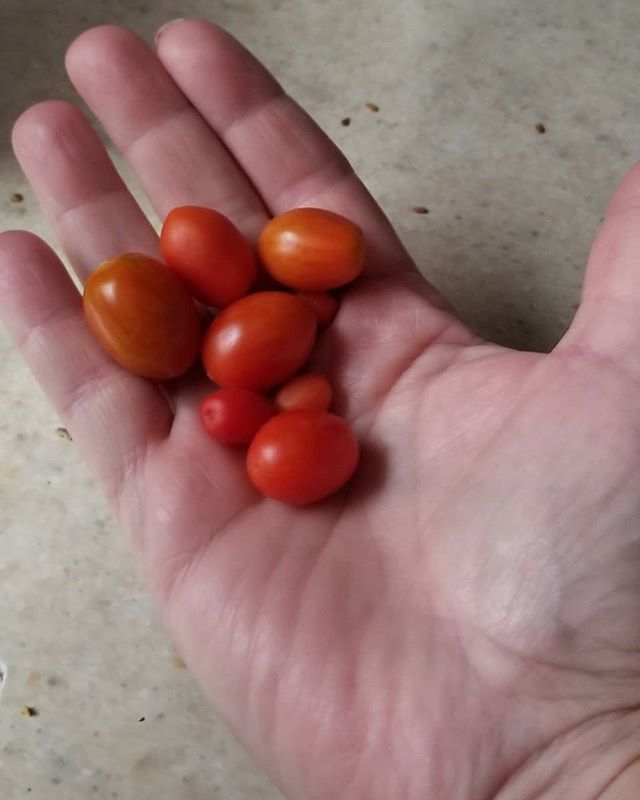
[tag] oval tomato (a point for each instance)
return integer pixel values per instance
(234, 416)
(311, 249)
(259, 341)
(309, 391)
(300, 457)
(209, 253)
(324, 304)
(143, 316)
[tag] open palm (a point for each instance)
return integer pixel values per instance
(462, 622)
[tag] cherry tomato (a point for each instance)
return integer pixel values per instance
(324, 304)
(234, 416)
(259, 341)
(209, 253)
(311, 249)
(300, 457)
(308, 391)
(143, 316)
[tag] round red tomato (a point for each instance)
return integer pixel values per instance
(143, 316)
(311, 249)
(234, 416)
(259, 341)
(300, 457)
(324, 304)
(209, 253)
(309, 391)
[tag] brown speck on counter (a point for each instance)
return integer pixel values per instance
(29, 711)
(541, 128)
(346, 122)
(142, 719)
(16, 197)
(420, 210)
(178, 663)
(63, 433)
(372, 107)
(144, 768)
(34, 678)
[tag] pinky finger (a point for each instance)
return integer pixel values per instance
(113, 415)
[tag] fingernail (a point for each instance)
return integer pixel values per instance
(166, 26)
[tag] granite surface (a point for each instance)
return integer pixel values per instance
(510, 121)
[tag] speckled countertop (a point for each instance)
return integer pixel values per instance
(464, 89)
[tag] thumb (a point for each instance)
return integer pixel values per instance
(607, 323)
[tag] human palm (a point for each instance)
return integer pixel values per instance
(462, 621)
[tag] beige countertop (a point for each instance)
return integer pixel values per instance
(462, 88)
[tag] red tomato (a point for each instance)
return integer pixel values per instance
(209, 253)
(259, 341)
(143, 316)
(324, 304)
(308, 391)
(300, 457)
(234, 416)
(311, 249)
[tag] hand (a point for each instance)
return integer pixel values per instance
(462, 622)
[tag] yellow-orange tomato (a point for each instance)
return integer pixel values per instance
(143, 316)
(312, 250)
(309, 391)
(259, 341)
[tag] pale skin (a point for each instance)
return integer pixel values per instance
(463, 622)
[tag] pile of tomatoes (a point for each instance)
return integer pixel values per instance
(147, 316)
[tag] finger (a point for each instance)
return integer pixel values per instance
(285, 155)
(176, 156)
(114, 416)
(93, 214)
(607, 323)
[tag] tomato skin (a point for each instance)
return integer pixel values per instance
(143, 316)
(234, 416)
(309, 391)
(259, 341)
(324, 304)
(312, 250)
(300, 457)
(209, 253)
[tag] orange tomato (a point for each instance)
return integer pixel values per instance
(234, 416)
(311, 249)
(309, 391)
(259, 341)
(209, 253)
(143, 316)
(300, 457)
(324, 304)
